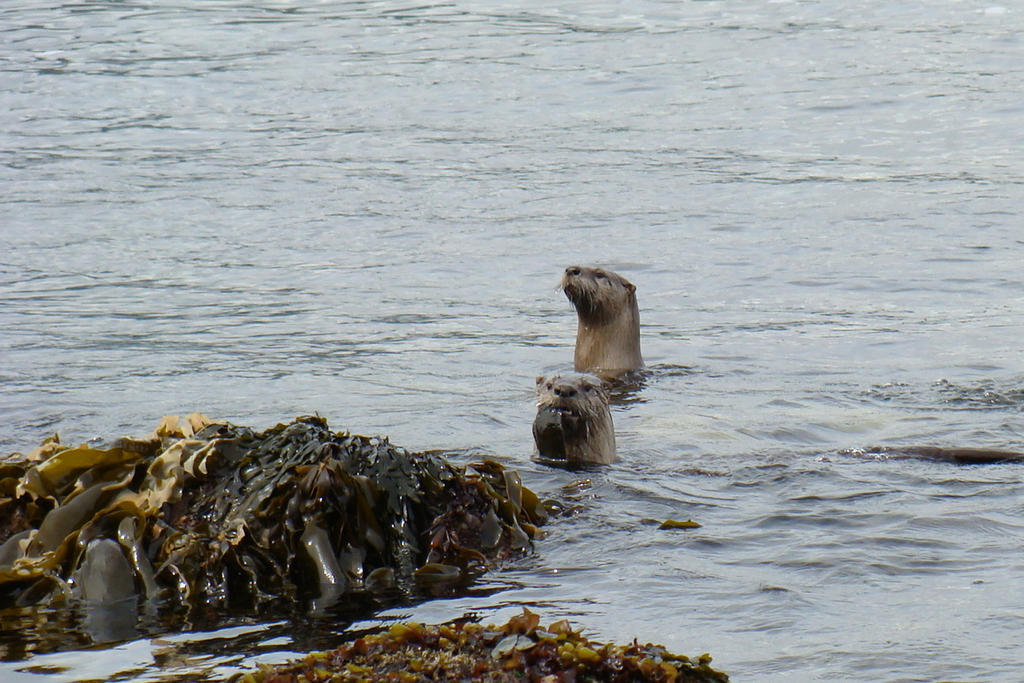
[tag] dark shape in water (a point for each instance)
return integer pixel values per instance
(956, 456)
(207, 514)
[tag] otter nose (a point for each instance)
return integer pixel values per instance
(565, 390)
(572, 271)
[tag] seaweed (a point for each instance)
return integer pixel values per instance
(209, 513)
(519, 650)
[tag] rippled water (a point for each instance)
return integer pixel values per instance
(363, 209)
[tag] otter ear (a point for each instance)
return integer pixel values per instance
(630, 287)
(540, 380)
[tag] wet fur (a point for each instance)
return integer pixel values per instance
(573, 420)
(608, 321)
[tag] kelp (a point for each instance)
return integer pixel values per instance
(464, 650)
(207, 513)
(678, 524)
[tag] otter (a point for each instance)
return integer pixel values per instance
(608, 326)
(573, 421)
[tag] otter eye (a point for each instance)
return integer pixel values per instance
(600, 276)
(550, 384)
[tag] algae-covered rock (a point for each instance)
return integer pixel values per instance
(211, 513)
(464, 650)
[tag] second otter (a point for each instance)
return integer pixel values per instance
(573, 421)
(608, 321)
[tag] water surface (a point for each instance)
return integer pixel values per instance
(362, 209)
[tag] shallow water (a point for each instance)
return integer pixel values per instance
(362, 209)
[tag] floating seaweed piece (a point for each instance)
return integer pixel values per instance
(207, 513)
(679, 524)
(519, 650)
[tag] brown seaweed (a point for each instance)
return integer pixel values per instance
(464, 650)
(679, 524)
(211, 513)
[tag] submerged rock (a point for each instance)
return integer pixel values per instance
(463, 650)
(207, 513)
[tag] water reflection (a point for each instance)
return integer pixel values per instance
(111, 622)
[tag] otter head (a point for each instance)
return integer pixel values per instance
(598, 295)
(573, 422)
(608, 333)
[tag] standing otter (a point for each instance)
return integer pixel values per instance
(608, 329)
(573, 421)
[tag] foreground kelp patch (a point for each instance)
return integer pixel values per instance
(520, 650)
(214, 514)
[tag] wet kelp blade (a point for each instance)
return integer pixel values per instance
(679, 524)
(205, 513)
